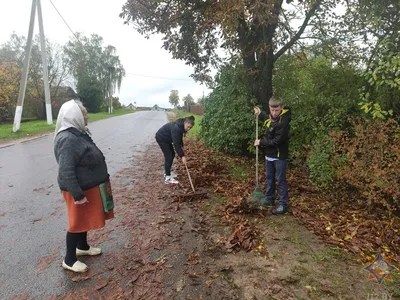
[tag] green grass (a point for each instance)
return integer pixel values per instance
(238, 171)
(32, 128)
(104, 115)
(196, 127)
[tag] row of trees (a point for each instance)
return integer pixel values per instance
(338, 68)
(83, 64)
(174, 99)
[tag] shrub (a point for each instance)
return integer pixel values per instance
(228, 124)
(319, 162)
(372, 161)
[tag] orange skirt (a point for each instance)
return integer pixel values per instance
(89, 216)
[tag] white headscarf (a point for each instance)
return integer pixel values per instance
(70, 115)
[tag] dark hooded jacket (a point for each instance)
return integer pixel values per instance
(275, 143)
(173, 133)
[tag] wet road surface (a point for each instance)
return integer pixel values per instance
(33, 217)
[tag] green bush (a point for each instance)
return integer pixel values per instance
(319, 162)
(320, 94)
(228, 124)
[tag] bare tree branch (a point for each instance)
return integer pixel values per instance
(289, 44)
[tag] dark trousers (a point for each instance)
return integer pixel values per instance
(277, 170)
(169, 154)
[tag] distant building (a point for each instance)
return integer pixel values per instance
(157, 108)
(131, 106)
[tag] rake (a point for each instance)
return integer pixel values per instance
(193, 195)
(255, 199)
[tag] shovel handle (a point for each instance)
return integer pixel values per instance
(190, 179)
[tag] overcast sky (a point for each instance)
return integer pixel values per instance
(138, 55)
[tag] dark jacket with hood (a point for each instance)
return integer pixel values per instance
(275, 143)
(173, 133)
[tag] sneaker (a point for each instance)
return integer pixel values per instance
(77, 267)
(173, 174)
(170, 180)
(268, 203)
(91, 251)
(281, 210)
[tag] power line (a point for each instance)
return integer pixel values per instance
(64, 20)
(157, 77)
(133, 74)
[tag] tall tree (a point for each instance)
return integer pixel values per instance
(187, 101)
(13, 51)
(90, 92)
(174, 98)
(260, 30)
(10, 75)
(88, 57)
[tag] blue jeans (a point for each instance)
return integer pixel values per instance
(277, 169)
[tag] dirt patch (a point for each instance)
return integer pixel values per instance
(160, 247)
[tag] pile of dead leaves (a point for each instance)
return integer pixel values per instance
(339, 220)
(335, 217)
(209, 170)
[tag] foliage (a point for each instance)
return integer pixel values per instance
(381, 95)
(319, 162)
(90, 93)
(174, 98)
(228, 123)
(187, 101)
(321, 96)
(13, 51)
(371, 154)
(87, 57)
(116, 103)
(9, 83)
(194, 30)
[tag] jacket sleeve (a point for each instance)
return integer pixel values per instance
(281, 134)
(262, 116)
(177, 140)
(69, 155)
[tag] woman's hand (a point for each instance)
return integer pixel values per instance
(257, 143)
(184, 159)
(81, 202)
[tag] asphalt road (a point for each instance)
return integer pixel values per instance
(33, 216)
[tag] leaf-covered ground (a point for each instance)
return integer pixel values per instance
(165, 244)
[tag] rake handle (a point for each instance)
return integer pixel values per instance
(190, 179)
(257, 149)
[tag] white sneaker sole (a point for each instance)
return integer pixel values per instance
(78, 267)
(91, 252)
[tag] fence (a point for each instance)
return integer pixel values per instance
(196, 109)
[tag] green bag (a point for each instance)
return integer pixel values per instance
(106, 196)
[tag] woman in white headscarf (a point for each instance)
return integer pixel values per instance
(84, 181)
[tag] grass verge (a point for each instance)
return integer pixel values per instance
(195, 130)
(32, 128)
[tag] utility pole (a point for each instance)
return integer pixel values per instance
(110, 90)
(24, 77)
(45, 69)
